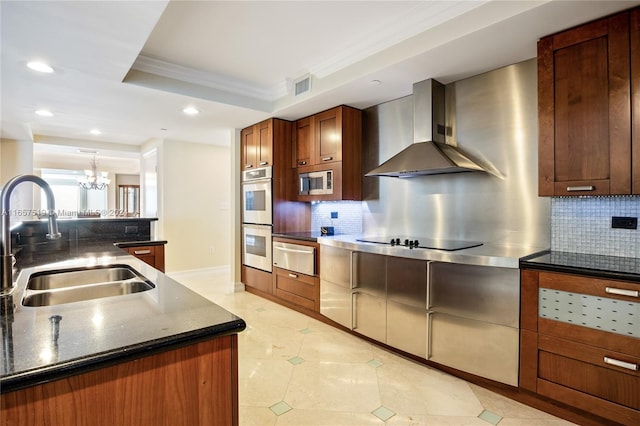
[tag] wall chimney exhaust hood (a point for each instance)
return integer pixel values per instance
(429, 154)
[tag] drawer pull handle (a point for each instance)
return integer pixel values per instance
(293, 276)
(581, 188)
(302, 163)
(142, 252)
(264, 163)
(622, 292)
(248, 166)
(621, 364)
(327, 159)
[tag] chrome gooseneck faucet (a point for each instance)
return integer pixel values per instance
(5, 196)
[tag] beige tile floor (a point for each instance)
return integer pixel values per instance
(295, 370)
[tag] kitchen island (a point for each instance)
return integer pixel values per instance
(161, 356)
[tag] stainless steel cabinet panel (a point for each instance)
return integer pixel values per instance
(335, 265)
(370, 273)
(407, 281)
(484, 293)
(335, 302)
(477, 347)
(370, 317)
(407, 328)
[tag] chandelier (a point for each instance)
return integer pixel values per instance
(93, 180)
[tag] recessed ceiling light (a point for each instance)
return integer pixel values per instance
(40, 67)
(95, 132)
(190, 111)
(44, 113)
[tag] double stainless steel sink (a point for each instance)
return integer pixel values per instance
(55, 287)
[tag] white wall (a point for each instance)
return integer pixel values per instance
(17, 159)
(195, 205)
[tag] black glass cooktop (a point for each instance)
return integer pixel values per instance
(425, 243)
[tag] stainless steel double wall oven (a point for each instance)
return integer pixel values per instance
(257, 218)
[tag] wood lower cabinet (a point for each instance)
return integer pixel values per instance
(579, 345)
(192, 385)
(585, 78)
(296, 288)
(150, 254)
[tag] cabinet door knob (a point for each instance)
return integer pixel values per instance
(327, 159)
(621, 364)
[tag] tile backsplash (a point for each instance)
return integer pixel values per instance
(349, 220)
(583, 225)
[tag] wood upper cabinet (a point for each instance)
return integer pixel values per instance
(635, 100)
(330, 141)
(584, 109)
(257, 145)
(319, 138)
(303, 145)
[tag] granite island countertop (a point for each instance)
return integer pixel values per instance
(97, 333)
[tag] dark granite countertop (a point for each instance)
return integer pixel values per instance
(126, 244)
(302, 236)
(613, 267)
(101, 332)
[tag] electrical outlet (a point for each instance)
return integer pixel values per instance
(624, 222)
(334, 215)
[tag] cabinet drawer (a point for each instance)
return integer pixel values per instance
(621, 290)
(142, 250)
(590, 370)
(297, 288)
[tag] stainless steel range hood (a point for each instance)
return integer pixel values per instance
(429, 154)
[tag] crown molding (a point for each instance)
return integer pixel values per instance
(194, 76)
(418, 19)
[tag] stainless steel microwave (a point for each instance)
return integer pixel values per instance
(316, 183)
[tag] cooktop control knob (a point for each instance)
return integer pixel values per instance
(406, 242)
(393, 242)
(416, 243)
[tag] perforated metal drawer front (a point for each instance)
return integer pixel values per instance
(601, 313)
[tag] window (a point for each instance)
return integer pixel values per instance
(71, 199)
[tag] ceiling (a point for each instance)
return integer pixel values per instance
(128, 68)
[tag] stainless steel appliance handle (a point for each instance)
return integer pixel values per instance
(351, 254)
(622, 364)
(293, 250)
(581, 188)
(354, 311)
(429, 334)
(428, 301)
(141, 251)
(622, 292)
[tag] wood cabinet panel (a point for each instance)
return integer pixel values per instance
(196, 384)
(303, 148)
(296, 288)
(331, 140)
(255, 278)
(328, 127)
(587, 368)
(152, 255)
(584, 110)
(635, 100)
(257, 145)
